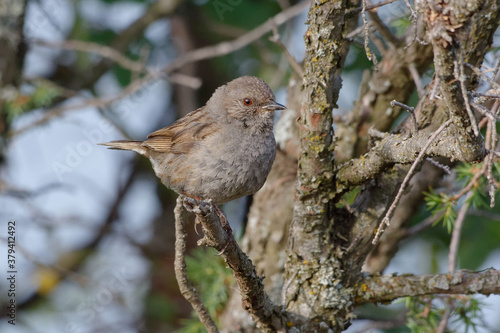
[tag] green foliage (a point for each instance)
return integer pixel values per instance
(423, 316)
(466, 172)
(441, 203)
(41, 96)
(160, 307)
(467, 175)
(468, 312)
(242, 14)
(401, 25)
(192, 325)
(348, 198)
(209, 274)
(425, 313)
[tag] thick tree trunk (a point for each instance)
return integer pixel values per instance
(328, 242)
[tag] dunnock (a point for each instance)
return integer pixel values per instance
(221, 151)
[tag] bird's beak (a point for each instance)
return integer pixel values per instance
(273, 106)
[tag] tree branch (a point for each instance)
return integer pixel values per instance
(398, 148)
(386, 288)
(187, 289)
(268, 316)
(157, 10)
(187, 58)
(407, 178)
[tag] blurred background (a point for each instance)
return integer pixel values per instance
(94, 227)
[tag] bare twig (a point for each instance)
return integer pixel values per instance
(407, 178)
(384, 31)
(459, 73)
(101, 50)
(437, 82)
(267, 315)
(190, 57)
(443, 324)
(416, 78)
(455, 236)
(443, 167)
(497, 68)
(413, 12)
(368, 8)
(409, 109)
(484, 111)
(187, 289)
(232, 46)
(369, 54)
(491, 143)
(476, 70)
(359, 30)
(296, 67)
(486, 95)
(472, 183)
(416, 229)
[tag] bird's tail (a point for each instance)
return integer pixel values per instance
(126, 145)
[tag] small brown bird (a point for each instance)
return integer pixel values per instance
(221, 151)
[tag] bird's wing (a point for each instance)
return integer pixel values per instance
(182, 135)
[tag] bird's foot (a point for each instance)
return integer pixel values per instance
(204, 207)
(197, 206)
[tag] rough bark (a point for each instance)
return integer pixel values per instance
(268, 316)
(392, 81)
(389, 287)
(266, 233)
(313, 293)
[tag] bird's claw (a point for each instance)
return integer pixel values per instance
(202, 207)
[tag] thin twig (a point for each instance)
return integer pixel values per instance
(486, 95)
(409, 109)
(384, 31)
(413, 12)
(369, 54)
(187, 289)
(443, 167)
(187, 58)
(296, 67)
(406, 180)
(476, 70)
(238, 43)
(256, 301)
(437, 82)
(459, 67)
(358, 10)
(472, 183)
(443, 324)
(359, 30)
(484, 111)
(457, 231)
(418, 228)
(101, 50)
(497, 69)
(416, 78)
(491, 128)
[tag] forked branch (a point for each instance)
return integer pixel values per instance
(267, 315)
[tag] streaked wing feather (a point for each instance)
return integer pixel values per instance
(182, 135)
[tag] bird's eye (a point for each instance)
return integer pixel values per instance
(247, 101)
